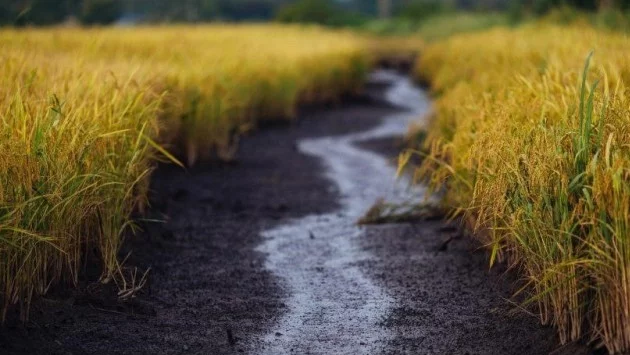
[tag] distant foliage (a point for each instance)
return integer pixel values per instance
(5, 13)
(419, 10)
(40, 12)
(101, 12)
(247, 9)
(322, 12)
(542, 7)
(50, 12)
(612, 19)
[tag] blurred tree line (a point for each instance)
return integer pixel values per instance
(542, 7)
(47, 12)
(330, 12)
(327, 12)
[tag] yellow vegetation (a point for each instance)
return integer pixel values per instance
(83, 111)
(539, 161)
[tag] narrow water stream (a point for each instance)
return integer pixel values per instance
(333, 307)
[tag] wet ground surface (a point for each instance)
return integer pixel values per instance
(332, 306)
(226, 279)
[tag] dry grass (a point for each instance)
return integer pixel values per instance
(220, 79)
(82, 110)
(534, 150)
(383, 212)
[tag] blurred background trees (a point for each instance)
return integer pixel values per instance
(379, 15)
(100, 11)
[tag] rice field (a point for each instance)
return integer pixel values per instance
(530, 143)
(87, 113)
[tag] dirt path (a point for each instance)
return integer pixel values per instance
(263, 257)
(333, 306)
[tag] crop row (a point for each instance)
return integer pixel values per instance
(531, 139)
(86, 114)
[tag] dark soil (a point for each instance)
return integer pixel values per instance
(209, 294)
(455, 304)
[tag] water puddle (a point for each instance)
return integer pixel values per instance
(333, 307)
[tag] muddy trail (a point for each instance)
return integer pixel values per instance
(264, 256)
